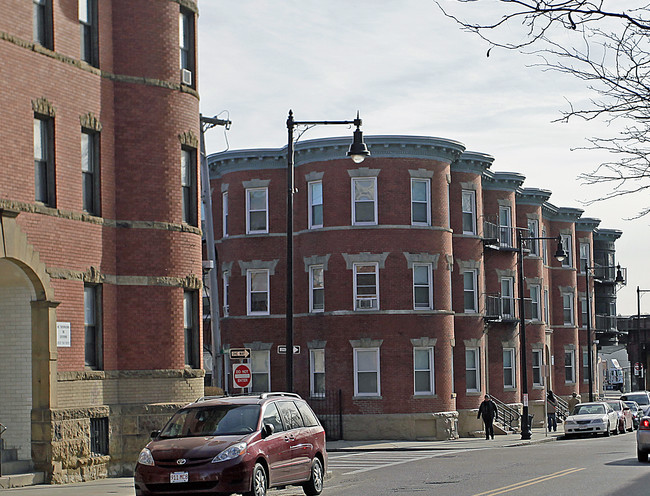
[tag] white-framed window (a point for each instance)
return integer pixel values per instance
(420, 202)
(186, 46)
(569, 366)
(583, 312)
(533, 232)
(366, 372)
(317, 372)
(472, 369)
(584, 257)
(507, 297)
(316, 288)
(567, 247)
(468, 201)
(315, 192)
(547, 308)
(535, 303)
(505, 226)
(44, 176)
(42, 27)
(364, 201)
(508, 367)
(226, 293)
(422, 286)
(567, 308)
(261, 371)
(423, 371)
(90, 171)
(257, 210)
(544, 247)
(585, 366)
(224, 214)
(188, 186)
(257, 283)
(537, 368)
(88, 24)
(366, 286)
(191, 328)
(470, 292)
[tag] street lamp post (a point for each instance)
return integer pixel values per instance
(559, 255)
(638, 329)
(590, 367)
(358, 152)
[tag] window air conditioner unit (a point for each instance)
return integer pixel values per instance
(186, 77)
(366, 303)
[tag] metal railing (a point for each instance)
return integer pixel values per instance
(498, 235)
(562, 408)
(507, 415)
(500, 308)
(606, 322)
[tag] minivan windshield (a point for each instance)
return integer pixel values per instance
(640, 398)
(220, 420)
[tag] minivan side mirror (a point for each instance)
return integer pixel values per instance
(155, 434)
(267, 430)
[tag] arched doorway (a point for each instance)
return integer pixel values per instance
(16, 295)
(28, 359)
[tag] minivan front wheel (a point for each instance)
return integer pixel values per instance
(259, 482)
(314, 486)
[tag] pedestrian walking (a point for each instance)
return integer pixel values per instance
(573, 401)
(551, 411)
(488, 410)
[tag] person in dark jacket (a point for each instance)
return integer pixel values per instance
(488, 410)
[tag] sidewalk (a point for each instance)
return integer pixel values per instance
(501, 441)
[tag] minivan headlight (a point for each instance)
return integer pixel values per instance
(146, 458)
(231, 452)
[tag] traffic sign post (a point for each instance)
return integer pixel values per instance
(241, 375)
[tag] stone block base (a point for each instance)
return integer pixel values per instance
(410, 427)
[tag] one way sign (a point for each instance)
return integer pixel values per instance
(240, 352)
(282, 349)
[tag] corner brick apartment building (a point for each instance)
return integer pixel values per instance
(100, 246)
(405, 282)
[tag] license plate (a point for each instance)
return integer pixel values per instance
(178, 477)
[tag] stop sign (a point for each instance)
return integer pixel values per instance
(241, 375)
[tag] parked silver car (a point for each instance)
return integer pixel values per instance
(643, 439)
(596, 417)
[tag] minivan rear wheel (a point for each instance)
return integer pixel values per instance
(641, 455)
(314, 486)
(259, 482)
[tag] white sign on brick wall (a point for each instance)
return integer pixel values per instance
(63, 334)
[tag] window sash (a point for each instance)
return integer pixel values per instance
(472, 369)
(420, 202)
(584, 257)
(537, 368)
(470, 291)
(422, 287)
(89, 171)
(257, 281)
(366, 372)
(569, 367)
(535, 302)
(547, 309)
(257, 210)
(43, 161)
(316, 289)
(585, 366)
(191, 328)
(224, 209)
(567, 246)
(505, 226)
(469, 211)
(315, 204)
(92, 328)
(188, 186)
(260, 371)
(567, 308)
(507, 297)
(423, 371)
(509, 367)
(533, 232)
(226, 293)
(366, 286)
(364, 201)
(317, 373)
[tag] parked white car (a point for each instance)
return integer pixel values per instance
(595, 418)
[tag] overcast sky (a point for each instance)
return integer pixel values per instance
(409, 71)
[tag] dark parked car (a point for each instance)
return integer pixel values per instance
(243, 444)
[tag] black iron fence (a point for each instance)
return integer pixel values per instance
(328, 409)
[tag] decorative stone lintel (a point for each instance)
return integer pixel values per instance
(188, 138)
(366, 343)
(365, 257)
(424, 342)
(43, 106)
(317, 344)
(90, 121)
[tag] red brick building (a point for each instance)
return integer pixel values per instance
(405, 277)
(100, 246)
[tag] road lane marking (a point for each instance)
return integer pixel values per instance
(530, 482)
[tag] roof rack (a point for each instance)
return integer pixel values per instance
(289, 395)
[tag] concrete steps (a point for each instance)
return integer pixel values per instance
(21, 480)
(17, 473)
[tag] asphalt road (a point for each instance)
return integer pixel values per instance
(589, 466)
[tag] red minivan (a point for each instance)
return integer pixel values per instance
(239, 444)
